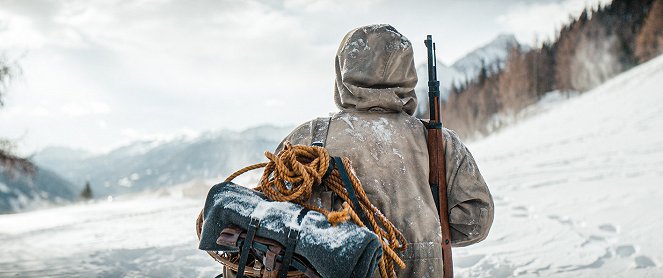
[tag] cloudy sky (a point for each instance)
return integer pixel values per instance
(98, 74)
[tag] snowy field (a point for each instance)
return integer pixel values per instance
(141, 237)
(577, 192)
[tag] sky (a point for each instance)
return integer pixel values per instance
(96, 75)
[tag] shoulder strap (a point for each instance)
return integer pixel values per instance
(291, 244)
(246, 246)
(319, 130)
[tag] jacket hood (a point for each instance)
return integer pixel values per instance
(375, 71)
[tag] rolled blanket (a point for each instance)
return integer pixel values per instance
(344, 250)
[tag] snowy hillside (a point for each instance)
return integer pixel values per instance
(577, 190)
(492, 54)
(152, 164)
(20, 192)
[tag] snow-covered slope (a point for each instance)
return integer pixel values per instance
(577, 190)
(20, 191)
(144, 237)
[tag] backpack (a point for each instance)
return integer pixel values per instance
(263, 232)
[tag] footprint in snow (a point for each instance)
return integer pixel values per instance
(469, 261)
(561, 219)
(608, 228)
(520, 212)
(625, 250)
(644, 262)
(592, 239)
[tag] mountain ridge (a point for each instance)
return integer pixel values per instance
(492, 55)
(148, 164)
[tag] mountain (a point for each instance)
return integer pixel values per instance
(50, 155)
(491, 55)
(22, 192)
(155, 163)
(445, 74)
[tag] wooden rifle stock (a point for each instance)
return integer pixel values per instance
(436, 152)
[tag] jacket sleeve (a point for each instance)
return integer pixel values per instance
(471, 206)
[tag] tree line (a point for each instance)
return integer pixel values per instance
(587, 51)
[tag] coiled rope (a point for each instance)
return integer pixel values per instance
(291, 175)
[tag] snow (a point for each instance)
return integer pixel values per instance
(125, 181)
(336, 238)
(576, 187)
(142, 237)
(577, 190)
(241, 203)
(382, 130)
(284, 211)
(492, 54)
(4, 188)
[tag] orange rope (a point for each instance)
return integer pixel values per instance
(291, 175)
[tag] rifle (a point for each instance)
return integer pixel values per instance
(436, 151)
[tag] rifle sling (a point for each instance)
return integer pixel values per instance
(438, 185)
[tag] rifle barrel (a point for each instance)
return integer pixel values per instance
(433, 83)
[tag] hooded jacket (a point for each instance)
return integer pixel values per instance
(374, 89)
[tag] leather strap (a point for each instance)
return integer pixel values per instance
(291, 243)
(351, 191)
(319, 130)
(246, 246)
(296, 262)
(330, 168)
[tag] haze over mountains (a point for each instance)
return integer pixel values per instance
(20, 192)
(150, 164)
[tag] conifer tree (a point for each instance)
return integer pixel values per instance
(86, 194)
(650, 40)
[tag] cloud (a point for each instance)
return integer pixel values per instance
(79, 109)
(161, 66)
(131, 135)
(542, 20)
(18, 32)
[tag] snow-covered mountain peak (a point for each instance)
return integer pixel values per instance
(493, 53)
